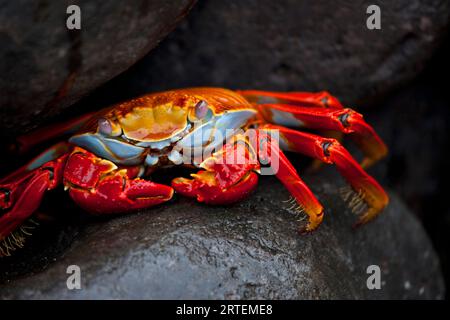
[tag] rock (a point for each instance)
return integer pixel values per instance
(250, 250)
(46, 67)
(293, 45)
(414, 124)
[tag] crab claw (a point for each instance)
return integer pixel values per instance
(224, 180)
(205, 188)
(100, 187)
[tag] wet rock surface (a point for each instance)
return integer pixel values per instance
(249, 250)
(45, 67)
(294, 45)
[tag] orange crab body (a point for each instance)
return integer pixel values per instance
(106, 160)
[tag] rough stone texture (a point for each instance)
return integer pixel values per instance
(45, 67)
(414, 124)
(294, 45)
(250, 250)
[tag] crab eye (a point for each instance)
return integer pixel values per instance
(201, 109)
(105, 127)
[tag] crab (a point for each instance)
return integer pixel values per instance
(105, 159)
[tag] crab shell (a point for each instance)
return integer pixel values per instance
(142, 130)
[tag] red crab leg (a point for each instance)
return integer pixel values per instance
(100, 187)
(27, 141)
(269, 151)
(332, 152)
(224, 182)
(345, 120)
(21, 192)
(318, 111)
(306, 99)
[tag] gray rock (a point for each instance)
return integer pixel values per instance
(45, 67)
(249, 250)
(295, 45)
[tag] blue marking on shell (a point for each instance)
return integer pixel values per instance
(151, 160)
(197, 138)
(175, 157)
(233, 120)
(160, 144)
(219, 125)
(116, 151)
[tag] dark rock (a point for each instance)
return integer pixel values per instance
(294, 45)
(45, 67)
(414, 124)
(250, 250)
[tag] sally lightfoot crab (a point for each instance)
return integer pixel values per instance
(109, 156)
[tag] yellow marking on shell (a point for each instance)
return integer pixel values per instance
(154, 124)
(162, 115)
(115, 129)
